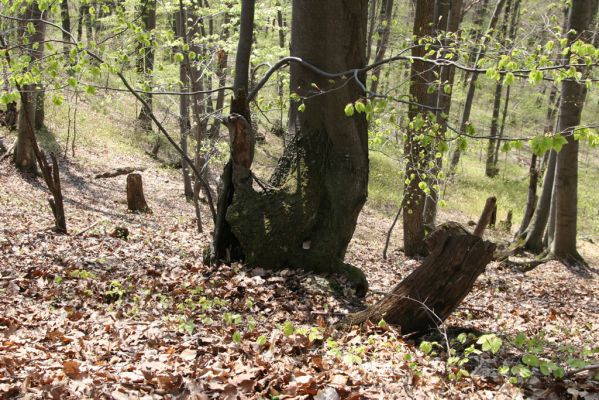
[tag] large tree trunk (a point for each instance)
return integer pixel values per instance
(424, 299)
(309, 220)
(581, 15)
(24, 155)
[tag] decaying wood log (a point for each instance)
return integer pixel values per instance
(136, 200)
(433, 291)
(51, 175)
(486, 216)
(118, 172)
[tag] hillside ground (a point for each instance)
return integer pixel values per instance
(94, 315)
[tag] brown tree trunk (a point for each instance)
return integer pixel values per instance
(184, 120)
(145, 62)
(309, 220)
(136, 200)
(448, 16)
(533, 240)
(422, 77)
(573, 95)
(66, 26)
(429, 295)
(532, 198)
(24, 155)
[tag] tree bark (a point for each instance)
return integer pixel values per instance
(532, 198)
(184, 120)
(66, 27)
(385, 18)
(429, 295)
(145, 62)
(24, 155)
(136, 200)
(422, 77)
(580, 17)
(448, 16)
(534, 234)
(309, 220)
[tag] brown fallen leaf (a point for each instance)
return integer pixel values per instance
(71, 369)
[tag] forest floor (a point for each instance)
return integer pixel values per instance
(95, 315)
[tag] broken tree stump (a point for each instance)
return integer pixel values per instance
(432, 292)
(136, 200)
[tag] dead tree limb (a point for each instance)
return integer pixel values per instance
(485, 217)
(118, 172)
(443, 280)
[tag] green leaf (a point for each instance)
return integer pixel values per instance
(349, 110)
(503, 370)
(426, 347)
(509, 79)
(360, 107)
(179, 57)
(72, 81)
(90, 90)
(557, 142)
(530, 360)
(490, 343)
(301, 107)
(261, 340)
(559, 373)
(236, 337)
(57, 99)
(288, 328)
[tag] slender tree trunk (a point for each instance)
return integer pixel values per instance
(221, 72)
(372, 6)
(490, 166)
(448, 16)
(472, 82)
(184, 121)
(531, 201)
(145, 62)
(534, 234)
(66, 26)
(381, 47)
(580, 17)
(414, 149)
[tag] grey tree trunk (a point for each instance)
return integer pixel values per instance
(580, 17)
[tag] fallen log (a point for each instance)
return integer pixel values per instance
(434, 290)
(118, 172)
